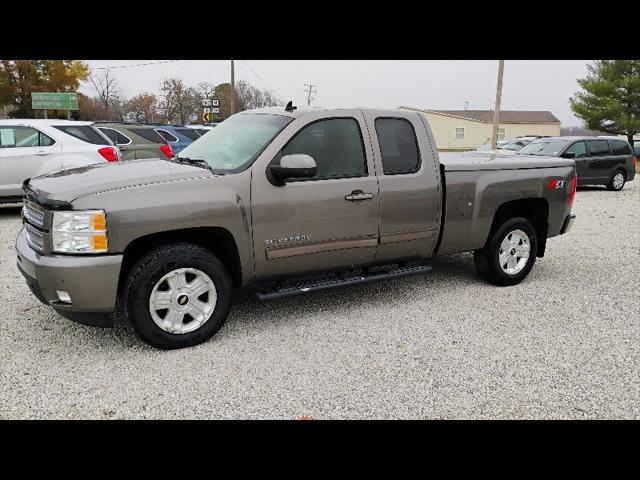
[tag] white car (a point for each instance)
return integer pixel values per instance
(29, 148)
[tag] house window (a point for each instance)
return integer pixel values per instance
(459, 133)
(501, 133)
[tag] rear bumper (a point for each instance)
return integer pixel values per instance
(90, 281)
(568, 223)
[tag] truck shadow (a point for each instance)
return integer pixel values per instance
(457, 271)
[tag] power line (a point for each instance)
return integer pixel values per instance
(138, 64)
(263, 80)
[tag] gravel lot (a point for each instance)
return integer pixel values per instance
(563, 344)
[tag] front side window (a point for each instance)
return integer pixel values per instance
(599, 148)
(459, 133)
(579, 149)
(398, 146)
(17, 137)
(234, 144)
(335, 144)
(618, 147)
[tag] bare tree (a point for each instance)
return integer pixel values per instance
(107, 88)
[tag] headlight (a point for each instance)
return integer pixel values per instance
(79, 231)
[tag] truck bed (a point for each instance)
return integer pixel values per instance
(473, 161)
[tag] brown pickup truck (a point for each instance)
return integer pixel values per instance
(325, 197)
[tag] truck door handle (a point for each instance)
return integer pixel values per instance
(357, 195)
(42, 153)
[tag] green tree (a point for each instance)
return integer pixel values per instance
(610, 100)
(18, 78)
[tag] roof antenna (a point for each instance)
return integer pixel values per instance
(289, 107)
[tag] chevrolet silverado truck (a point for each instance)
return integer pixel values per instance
(279, 201)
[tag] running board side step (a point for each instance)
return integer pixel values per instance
(341, 282)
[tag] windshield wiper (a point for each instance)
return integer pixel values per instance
(198, 162)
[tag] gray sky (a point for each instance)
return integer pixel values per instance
(438, 84)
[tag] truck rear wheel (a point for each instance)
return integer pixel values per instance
(177, 296)
(509, 254)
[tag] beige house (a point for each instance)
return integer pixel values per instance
(468, 129)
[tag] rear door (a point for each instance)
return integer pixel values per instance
(410, 196)
(26, 153)
(600, 161)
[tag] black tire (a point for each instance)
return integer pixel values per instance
(139, 283)
(487, 259)
(610, 185)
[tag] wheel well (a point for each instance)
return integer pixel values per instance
(536, 210)
(217, 240)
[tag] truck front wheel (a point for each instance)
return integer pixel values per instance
(509, 254)
(177, 296)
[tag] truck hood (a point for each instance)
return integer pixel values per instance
(61, 187)
(472, 161)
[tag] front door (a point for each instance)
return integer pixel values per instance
(26, 153)
(326, 222)
(579, 150)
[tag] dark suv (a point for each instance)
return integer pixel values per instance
(599, 161)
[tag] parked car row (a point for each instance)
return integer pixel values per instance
(606, 161)
(33, 147)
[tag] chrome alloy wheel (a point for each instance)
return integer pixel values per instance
(514, 252)
(183, 300)
(618, 181)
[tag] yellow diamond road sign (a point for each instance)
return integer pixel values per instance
(206, 117)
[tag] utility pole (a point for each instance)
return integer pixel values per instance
(233, 90)
(309, 91)
(496, 111)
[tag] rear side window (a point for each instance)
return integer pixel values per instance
(598, 148)
(167, 136)
(202, 131)
(190, 133)
(149, 134)
(115, 136)
(86, 133)
(618, 147)
(398, 146)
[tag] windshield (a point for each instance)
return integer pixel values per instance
(544, 147)
(236, 142)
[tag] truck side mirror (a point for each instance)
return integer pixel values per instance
(568, 155)
(299, 165)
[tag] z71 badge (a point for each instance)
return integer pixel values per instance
(275, 242)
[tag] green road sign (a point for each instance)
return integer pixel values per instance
(54, 101)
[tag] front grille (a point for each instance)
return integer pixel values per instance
(33, 215)
(35, 238)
